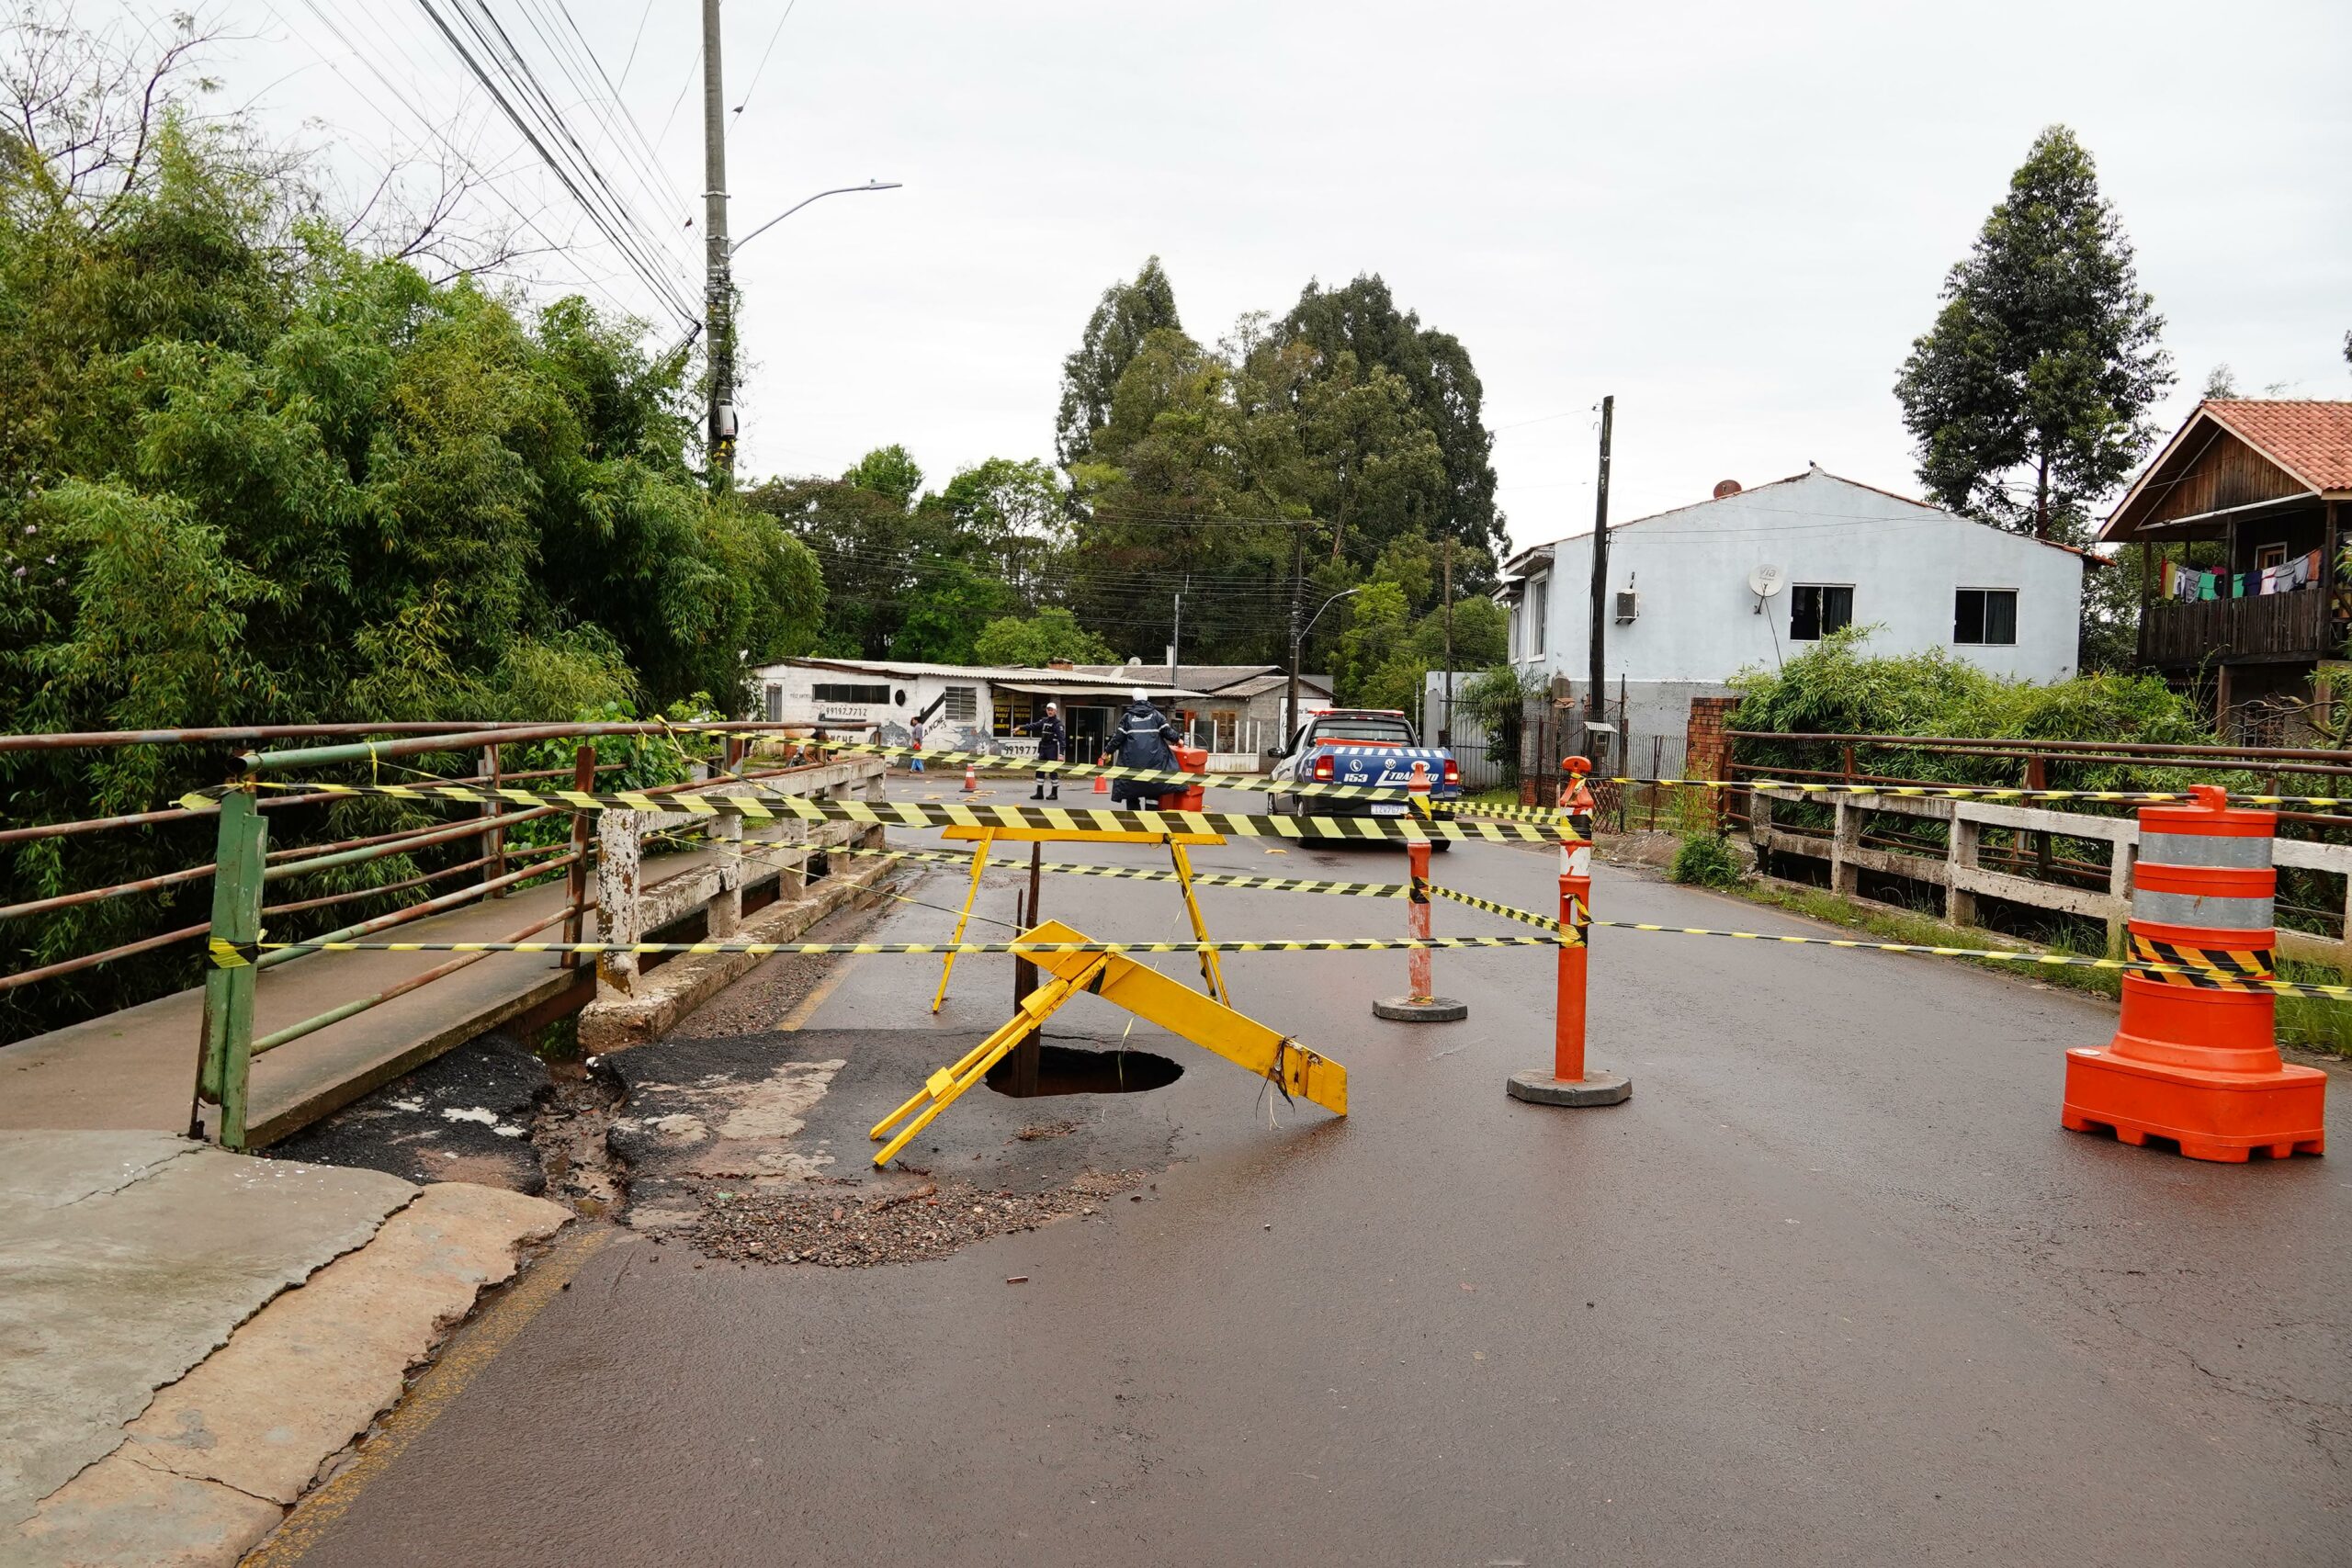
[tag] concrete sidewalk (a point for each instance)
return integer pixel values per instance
(189, 1335)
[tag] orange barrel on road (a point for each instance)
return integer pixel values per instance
(1189, 760)
(2195, 1058)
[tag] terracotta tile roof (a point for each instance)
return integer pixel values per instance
(2312, 441)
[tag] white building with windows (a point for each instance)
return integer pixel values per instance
(1686, 615)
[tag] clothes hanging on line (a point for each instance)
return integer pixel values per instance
(2186, 582)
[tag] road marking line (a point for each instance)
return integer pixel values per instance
(819, 994)
(469, 1350)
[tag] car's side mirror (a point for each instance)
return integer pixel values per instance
(1274, 751)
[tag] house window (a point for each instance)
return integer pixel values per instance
(1984, 616)
(2271, 555)
(774, 708)
(1228, 729)
(1539, 608)
(962, 704)
(1817, 609)
(842, 692)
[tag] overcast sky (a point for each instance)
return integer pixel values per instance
(1734, 217)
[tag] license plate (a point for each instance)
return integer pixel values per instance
(1388, 811)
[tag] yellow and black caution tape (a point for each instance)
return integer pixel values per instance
(989, 761)
(1989, 792)
(1481, 812)
(232, 955)
(1161, 874)
(2173, 963)
(763, 806)
(1507, 911)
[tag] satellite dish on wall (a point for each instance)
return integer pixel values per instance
(1767, 581)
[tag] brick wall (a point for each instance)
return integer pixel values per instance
(1706, 748)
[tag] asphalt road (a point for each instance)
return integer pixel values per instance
(1833, 1287)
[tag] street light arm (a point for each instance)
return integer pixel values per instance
(838, 190)
(1327, 604)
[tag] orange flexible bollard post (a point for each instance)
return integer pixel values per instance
(1570, 1081)
(2195, 1059)
(1420, 1004)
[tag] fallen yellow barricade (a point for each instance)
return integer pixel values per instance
(1266, 1053)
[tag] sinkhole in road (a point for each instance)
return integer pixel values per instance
(1065, 1069)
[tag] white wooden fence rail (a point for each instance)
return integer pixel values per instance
(1964, 878)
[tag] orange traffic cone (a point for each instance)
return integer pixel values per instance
(1101, 784)
(971, 779)
(2193, 1058)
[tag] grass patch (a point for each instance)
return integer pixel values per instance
(2306, 1022)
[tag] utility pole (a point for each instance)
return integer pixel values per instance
(1298, 576)
(1176, 637)
(1596, 700)
(1445, 731)
(718, 283)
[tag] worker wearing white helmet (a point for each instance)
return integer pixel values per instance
(1143, 740)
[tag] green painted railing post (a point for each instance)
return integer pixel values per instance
(229, 993)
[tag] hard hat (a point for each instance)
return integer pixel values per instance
(1139, 694)
(1577, 764)
(1053, 707)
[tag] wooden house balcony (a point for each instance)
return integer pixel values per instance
(2282, 626)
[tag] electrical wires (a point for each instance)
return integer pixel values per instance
(488, 51)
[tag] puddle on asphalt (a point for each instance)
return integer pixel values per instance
(1065, 1069)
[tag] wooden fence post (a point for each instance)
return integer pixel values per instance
(1960, 904)
(2118, 886)
(223, 1067)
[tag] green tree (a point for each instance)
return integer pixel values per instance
(251, 472)
(1128, 313)
(2030, 397)
(1481, 634)
(1039, 640)
(890, 472)
(1362, 319)
(1376, 666)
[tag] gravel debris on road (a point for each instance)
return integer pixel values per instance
(826, 1225)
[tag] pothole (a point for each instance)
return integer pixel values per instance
(570, 1135)
(1065, 1069)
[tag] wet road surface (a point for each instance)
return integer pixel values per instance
(1833, 1287)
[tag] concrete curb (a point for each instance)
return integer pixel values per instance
(212, 1464)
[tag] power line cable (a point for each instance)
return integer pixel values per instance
(663, 291)
(634, 147)
(520, 70)
(694, 68)
(765, 54)
(410, 99)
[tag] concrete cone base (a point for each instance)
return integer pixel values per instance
(1422, 1009)
(1538, 1087)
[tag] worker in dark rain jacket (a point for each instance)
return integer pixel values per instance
(1143, 739)
(1053, 745)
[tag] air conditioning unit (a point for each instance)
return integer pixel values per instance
(1629, 604)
